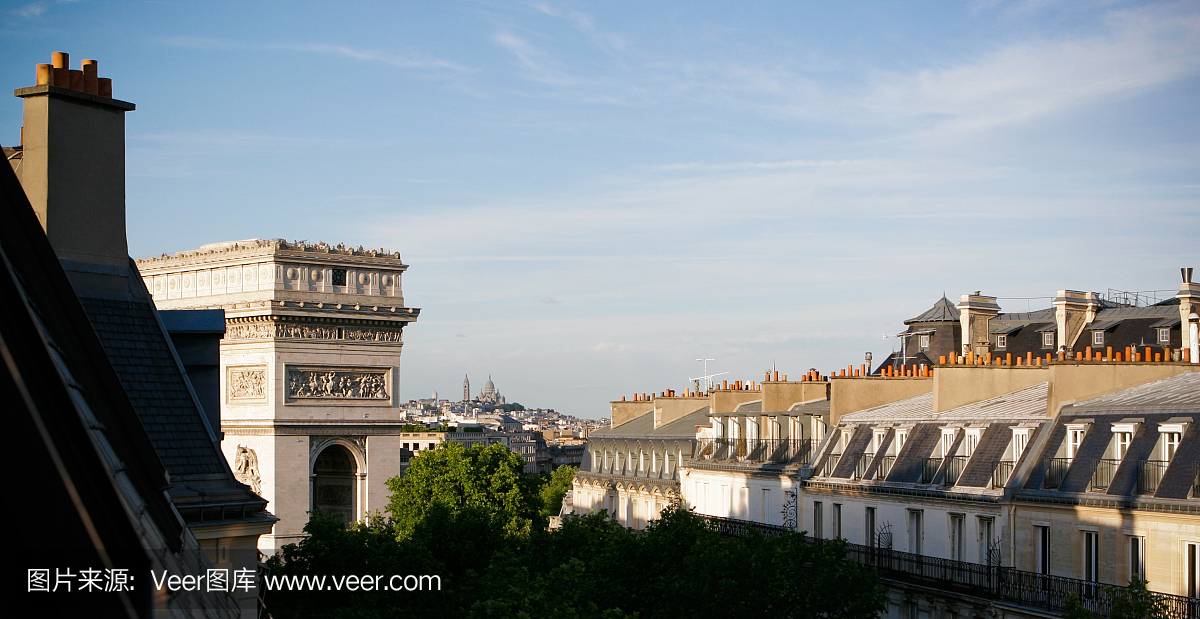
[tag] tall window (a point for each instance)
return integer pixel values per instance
(1043, 549)
(957, 537)
(1137, 557)
(987, 533)
(1020, 440)
(1091, 562)
(1171, 444)
(869, 526)
(837, 520)
(1121, 444)
(1191, 566)
(1074, 438)
(916, 531)
(818, 520)
(972, 441)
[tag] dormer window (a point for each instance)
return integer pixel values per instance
(1001, 342)
(1048, 339)
(1121, 444)
(1164, 336)
(1097, 338)
(1074, 438)
(1171, 444)
(924, 342)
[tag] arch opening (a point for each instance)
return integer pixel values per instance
(335, 487)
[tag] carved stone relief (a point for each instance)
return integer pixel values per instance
(245, 468)
(337, 384)
(247, 384)
(267, 330)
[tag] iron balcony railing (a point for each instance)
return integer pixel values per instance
(1001, 472)
(954, 469)
(1149, 475)
(930, 469)
(996, 582)
(758, 450)
(864, 463)
(1103, 475)
(831, 463)
(885, 466)
(1056, 471)
(1196, 481)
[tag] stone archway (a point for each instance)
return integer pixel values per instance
(335, 483)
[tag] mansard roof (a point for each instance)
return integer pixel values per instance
(643, 427)
(942, 311)
(1177, 393)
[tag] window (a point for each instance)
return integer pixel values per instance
(818, 520)
(1048, 339)
(1091, 563)
(1121, 444)
(947, 440)
(1191, 566)
(339, 277)
(1074, 438)
(1137, 557)
(957, 537)
(987, 533)
(1043, 549)
(1001, 342)
(1170, 444)
(837, 520)
(1164, 336)
(1020, 440)
(924, 342)
(405, 445)
(972, 441)
(869, 527)
(916, 531)
(901, 436)
(1097, 338)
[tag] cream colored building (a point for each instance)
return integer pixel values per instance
(310, 368)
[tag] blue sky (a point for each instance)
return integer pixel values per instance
(591, 196)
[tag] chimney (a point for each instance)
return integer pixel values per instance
(1073, 310)
(975, 310)
(1189, 305)
(73, 169)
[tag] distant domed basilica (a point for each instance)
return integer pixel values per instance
(489, 395)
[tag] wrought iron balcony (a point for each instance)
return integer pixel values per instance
(930, 469)
(954, 469)
(831, 463)
(1056, 471)
(885, 466)
(1103, 475)
(1149, 475)
(996, 582)
(864, 463)
(758, 450)
(1001, 472)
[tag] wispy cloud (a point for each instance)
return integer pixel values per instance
(1142, 48)
(31, 10)
(411, 61)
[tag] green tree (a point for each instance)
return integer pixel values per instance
(482, 484)
(556, 487)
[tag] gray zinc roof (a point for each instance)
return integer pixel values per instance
(643, 427)
(1027, 403)
(942, 311)
(1177, 392)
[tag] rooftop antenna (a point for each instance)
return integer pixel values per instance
(707, 378)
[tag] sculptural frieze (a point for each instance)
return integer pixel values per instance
(337, 384)
(247, 384)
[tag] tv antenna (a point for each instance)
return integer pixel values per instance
(707, 378)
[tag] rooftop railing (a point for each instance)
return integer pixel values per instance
(1056, 471)
(1001, 472)
(1003, 584)
(954, 469)
(1149, 475)
(1103, 475)
(755, 450)
(930, 469)
(830, 466)
(885, 466)
(864, 463)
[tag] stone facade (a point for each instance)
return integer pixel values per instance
(310, 369)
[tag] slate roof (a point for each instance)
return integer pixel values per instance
(914, 408)
(142, 356)
(942, 311)
(1180, 392)
(816, 407)
(643, 427)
